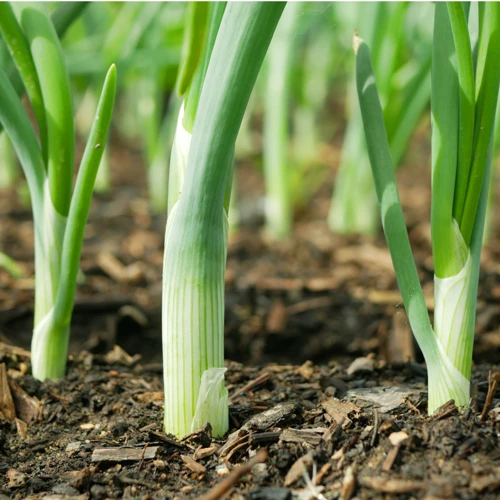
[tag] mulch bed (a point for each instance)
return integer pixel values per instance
(330, 431)
(324, 374)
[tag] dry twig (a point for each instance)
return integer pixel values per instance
(493, 379)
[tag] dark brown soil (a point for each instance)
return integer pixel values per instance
(334, 388)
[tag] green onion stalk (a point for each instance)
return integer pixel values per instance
(196, 234)
(278, 197)
(404, 90)
(464, 99)
(59, 212)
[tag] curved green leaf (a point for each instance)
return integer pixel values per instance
(49, 62)
(81, 200)
(20, 51)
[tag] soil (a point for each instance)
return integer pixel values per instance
(323, 373)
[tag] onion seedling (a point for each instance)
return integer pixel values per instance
(464, 99)
(196, 234)
(59, 211)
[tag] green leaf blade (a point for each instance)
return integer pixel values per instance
(82, 198)
(54, 81)
(20, 51)
(463, 48)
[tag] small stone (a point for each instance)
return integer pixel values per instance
(87, 427)
(75, 446)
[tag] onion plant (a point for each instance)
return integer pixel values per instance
(59, 211)
(404, 91)
(464, 99)
(196, 234)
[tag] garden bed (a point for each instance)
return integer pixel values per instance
(324, 373)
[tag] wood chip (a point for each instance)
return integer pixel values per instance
(297, 469)
(6, 401)
(390, 458)
(119, 272)
(288, 284)
(392, 485)
(311, 437)
(150, 397)
(340, 411)
(487, 482)
(348, 484)
(400, 347)
(193, 465)
(206, 452)
(22, 429)
(269, 418)
(11, 350)
(120, 357)
(277, 318)
(306, 370)
(124, 454)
